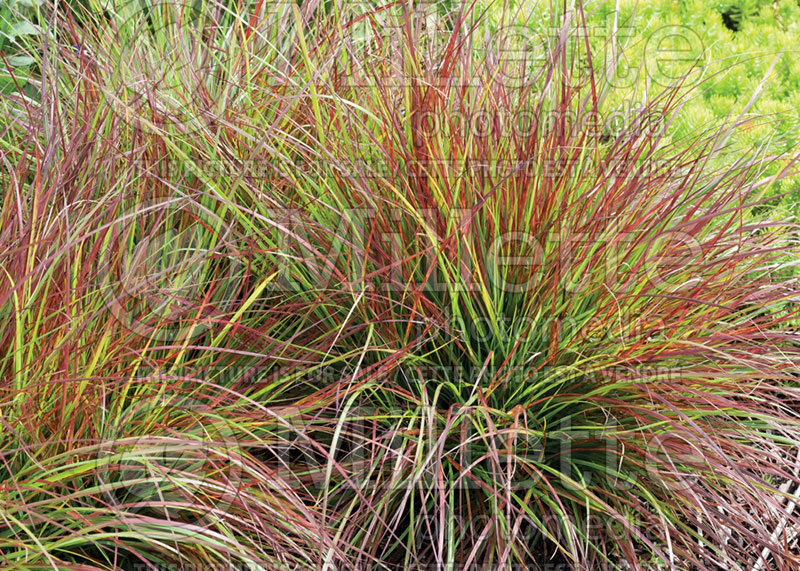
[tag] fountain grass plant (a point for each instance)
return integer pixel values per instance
(291, 285)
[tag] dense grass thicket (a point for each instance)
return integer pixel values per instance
(368, 285)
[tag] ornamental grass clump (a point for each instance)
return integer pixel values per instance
(372, 286)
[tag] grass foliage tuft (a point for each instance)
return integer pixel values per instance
(289, 284)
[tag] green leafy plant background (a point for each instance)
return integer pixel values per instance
(758, 57)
